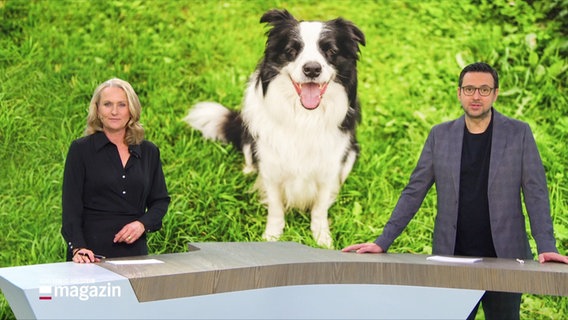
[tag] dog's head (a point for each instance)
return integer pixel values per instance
(311, 54)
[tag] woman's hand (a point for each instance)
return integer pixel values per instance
(130, 232)
(83, 255)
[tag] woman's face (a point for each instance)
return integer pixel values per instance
(113, 109)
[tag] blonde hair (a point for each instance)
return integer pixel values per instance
(134, 130)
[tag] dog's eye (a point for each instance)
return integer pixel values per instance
(329, 49)
(330, 52)
(291, 52)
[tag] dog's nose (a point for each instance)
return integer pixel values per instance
(312, 69)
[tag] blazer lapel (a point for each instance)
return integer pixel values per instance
(498, 145)
(454, 152)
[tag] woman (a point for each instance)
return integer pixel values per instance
(114, 190)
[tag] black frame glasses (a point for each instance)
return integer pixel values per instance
(484, 91)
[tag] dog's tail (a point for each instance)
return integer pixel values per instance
(217, 122)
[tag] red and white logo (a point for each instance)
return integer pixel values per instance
(45, 293)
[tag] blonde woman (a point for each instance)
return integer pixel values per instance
(114, 190)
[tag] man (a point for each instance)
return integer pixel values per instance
(480, 163)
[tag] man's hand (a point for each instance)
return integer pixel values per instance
(552, 257)
(363, 248)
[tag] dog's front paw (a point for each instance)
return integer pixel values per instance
(323, 238)
(320, 230)
(271, 236)
(273, 231)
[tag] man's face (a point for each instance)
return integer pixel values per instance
(477, 94)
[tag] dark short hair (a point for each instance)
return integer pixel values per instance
(479, 67)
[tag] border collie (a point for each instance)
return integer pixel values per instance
(297, 125)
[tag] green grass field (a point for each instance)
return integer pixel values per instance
(176, 53)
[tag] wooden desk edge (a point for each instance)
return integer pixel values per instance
(310, 266)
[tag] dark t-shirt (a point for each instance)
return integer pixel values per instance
(474, 228)
(100, 196)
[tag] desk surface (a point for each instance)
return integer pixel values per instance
(232, 266)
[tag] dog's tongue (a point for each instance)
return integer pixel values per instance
(310, 95)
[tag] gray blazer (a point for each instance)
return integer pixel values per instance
(515, 167)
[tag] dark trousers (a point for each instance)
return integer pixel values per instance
(499, 306)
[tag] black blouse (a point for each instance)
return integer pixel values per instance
(95, 184)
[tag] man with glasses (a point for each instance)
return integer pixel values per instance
(480, 163)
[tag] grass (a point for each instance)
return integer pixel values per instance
(176, 53)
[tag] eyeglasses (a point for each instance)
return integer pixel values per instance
(483, 91)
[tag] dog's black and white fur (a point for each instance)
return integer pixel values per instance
(297, 125)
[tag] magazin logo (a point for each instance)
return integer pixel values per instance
(82, 292)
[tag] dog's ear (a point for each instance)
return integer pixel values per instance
(357, 33)
(275, 16)
(349, 29)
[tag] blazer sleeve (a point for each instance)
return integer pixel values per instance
(412, 196)
(535, 192)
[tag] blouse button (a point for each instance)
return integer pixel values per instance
(123, 176)
(123, 191)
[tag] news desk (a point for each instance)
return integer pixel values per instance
(269, 280)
